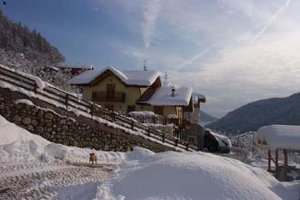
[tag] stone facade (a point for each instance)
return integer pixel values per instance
(60, 126)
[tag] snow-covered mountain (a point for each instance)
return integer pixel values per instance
(260, 113)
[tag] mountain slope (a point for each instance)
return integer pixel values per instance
(18, 38)
(206, 117)
(260, 113)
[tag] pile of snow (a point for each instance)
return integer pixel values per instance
(280, 136)
(172, 116)
(130, 77)
(17, 144)
(142, 113)
(173, 175)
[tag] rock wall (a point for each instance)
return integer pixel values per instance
(60, 126)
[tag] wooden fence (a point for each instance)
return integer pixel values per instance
(51, 94)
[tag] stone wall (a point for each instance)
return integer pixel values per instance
(60, 126)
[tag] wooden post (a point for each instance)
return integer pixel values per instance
(67, 100)
(187, 146)
(113, 116)
(269, 160)
(285, 154)
(163, 138)
(35, 87)
(92, 109)
(176, 142)
(132, 125)
(149, 130)
(276, 162)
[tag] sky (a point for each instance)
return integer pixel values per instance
(232, 51)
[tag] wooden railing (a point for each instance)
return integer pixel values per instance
(53, 95)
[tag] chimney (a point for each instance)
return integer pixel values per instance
(173, 92)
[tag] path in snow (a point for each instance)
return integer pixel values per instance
(38, 180)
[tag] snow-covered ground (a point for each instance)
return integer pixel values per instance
(34, 168)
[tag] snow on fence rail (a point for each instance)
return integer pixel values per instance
(31, 84)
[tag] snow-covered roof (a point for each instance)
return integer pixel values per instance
(280, 136)
(162, 97)
(129, 77)
(223, 140)
(198, 96)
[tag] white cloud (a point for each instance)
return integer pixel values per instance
(241, 74)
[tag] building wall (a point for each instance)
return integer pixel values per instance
(132, 94)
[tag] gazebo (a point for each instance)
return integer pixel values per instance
(279, 137)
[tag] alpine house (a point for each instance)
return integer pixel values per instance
(136, 90)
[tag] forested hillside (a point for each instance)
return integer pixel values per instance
(18, 38)
(261, 113)
(28, 51)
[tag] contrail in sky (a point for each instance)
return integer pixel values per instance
(196, 57)
(271, 20)
(151, 14)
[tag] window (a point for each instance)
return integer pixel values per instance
(110, 91)
(192, 140)
(159, 110)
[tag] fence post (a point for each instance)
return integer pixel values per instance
(187, 146)
(67, 100)
(92, 110)
(132, 125)
(163, 137)
(149, 131)
(113, 116)
(176, 142)
(35, 87)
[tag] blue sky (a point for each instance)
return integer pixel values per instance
(232, 51)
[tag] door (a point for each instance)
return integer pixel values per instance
(159, 110)
(110, 92)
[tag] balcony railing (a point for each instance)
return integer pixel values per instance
(108, 97)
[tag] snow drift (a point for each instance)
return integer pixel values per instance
(172, 175)
(146, 175)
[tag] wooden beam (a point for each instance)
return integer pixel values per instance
(276, 162)
(285, 153)
(269, 160)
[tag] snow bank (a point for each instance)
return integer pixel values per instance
(173, 175)
(17, 144)
(280, 136)
(143, 113)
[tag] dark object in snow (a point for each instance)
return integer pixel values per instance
(93, 158)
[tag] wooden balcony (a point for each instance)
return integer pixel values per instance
(108, 97)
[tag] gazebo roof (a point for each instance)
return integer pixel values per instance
(280, 136)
